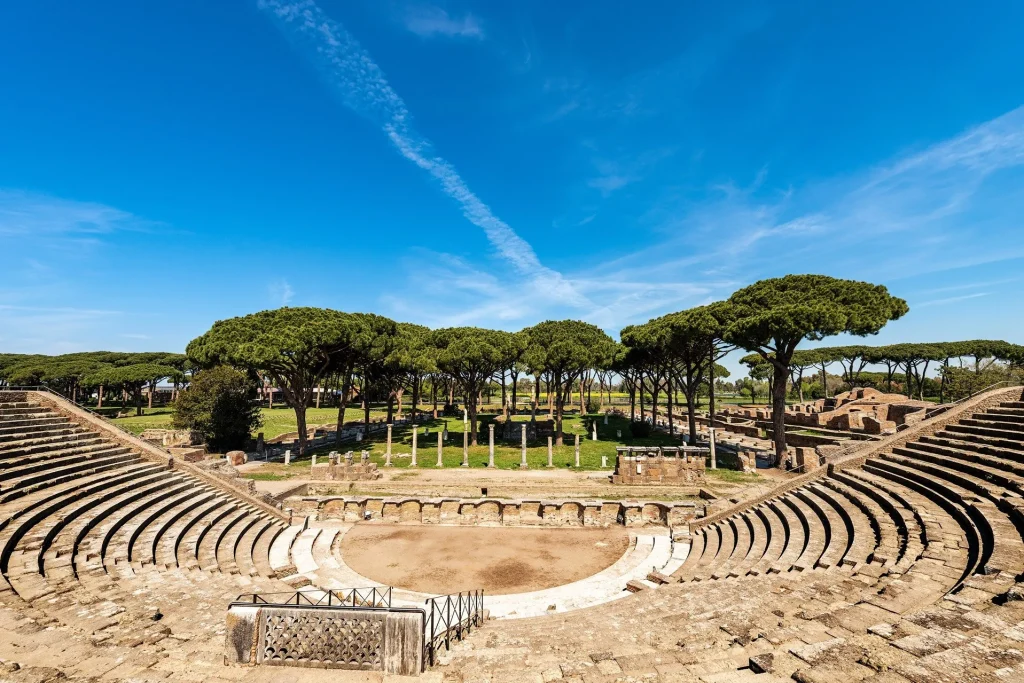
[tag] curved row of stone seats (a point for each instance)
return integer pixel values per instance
(814, 527)
(931, 529)
(101, 506)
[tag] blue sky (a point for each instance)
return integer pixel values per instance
(165, 165)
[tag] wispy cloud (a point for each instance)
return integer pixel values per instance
(362, 86)
(280, 292)
(429, 21)
(951, 299)
(37, 215)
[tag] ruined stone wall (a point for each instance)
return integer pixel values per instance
(659, 470)
(494, 511)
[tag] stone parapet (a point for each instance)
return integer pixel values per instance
(495, 511)
(388, 640)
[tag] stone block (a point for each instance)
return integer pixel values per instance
(236, 458)
(873, 425)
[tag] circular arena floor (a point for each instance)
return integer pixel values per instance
(500, 560)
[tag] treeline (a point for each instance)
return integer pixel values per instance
(105, 372)
(301, 349)
(304, 350)
(962, 367)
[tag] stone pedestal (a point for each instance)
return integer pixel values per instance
(550, 453)
(604, 461)
(288, 457)
(490, 445)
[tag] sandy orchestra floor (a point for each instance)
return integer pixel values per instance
(500, 560)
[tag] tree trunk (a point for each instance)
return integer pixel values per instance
(824, 380)
(711, 388)
(137, 393)
(99, 398)
(343, 401)
(640, 391)
(472, 407)
(152, 390)
(633, 401)
(504, 395)
(515, 382)
(415, 398)
(551, 401)
(691, 412)
(300, 421)
(558, 408)
(363, 389)
(391, 409)
(779, 414)
(668, 402)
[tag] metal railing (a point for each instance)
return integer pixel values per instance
(375, 598)
(451, 616)
(87, 409)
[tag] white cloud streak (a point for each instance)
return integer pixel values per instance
(39, 215)
(428, 21)
(281, 293)
(362, 86)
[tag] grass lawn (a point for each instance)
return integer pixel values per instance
(506, 456)
(276, 421)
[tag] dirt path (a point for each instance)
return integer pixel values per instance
(497, 559)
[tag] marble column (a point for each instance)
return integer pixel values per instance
(595, 431)
(711, 441)
(387, 452)
(522, 460)
(490, 445)
(440, 450)
(465, 449)
(413, 463)
(288, 457)
(550, 453)
(577, 450)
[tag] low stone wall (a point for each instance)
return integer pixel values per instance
(388, 640)
(494, 511)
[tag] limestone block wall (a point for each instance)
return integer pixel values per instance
(659, 469)
(494, 511)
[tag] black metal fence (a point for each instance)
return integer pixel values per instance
(451, 616)
(376, 597)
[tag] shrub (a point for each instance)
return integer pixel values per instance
(218, 404)
(593, 406)
(640, 430)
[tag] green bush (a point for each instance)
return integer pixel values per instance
(219, 405)
(593, 406)
(640, 430)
